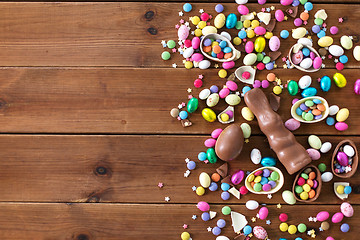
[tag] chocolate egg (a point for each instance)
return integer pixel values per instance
(230, 143)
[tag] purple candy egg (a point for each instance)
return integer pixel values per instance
(342, 158)
(261, 2)
(315, 184)
(214, 89)
(230, 113)
(357, 87)
(292, 124)
(315, 29)
(318, 117)
(265, 83)
(313, 153)
(272, 184)
(334, 30)
(237, 177)
(298, 22)
(312, 55)
(257, 84)
(207, 42)
(266, 173)
(216, 231)
(303, 107)
(266, 187)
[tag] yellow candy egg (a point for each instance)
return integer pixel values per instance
(195, 20)
(283, 227)
(200, 191)
(185, 236)
(247, 114)
(342, 115)
(325, 41)
(198, 32)
(257, 179)
(208, 114)
(306, 187)
(268, 35)
(259, 44)
(222, 73)
(219, 20)
(340, 189)
(277, 90)
(246, 23)
(251, 178)
(250, 33)
(339, 80)
(237, 40)
(292, 229)
(201, 24)
(254, 23)
(214, 43)
(304, 195)
(224, 117)
(188, 64)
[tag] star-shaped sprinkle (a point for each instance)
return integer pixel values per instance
(192, 32)
(257, 215)
(247, 140)
(190, 96)
(324, 25)
(269, 196)
(194, 217)
(268, 9)
(189, 90)
(319, 79)
(173, 50)
(253, 219)
(250, 235)
(330, 56)
(268, 222)
(313, 235)
(272, 8)
(163, 42)
(160, 185)
(323, 65)
(180, 106)
(284, 59)
(167, 199)
(348, 169)
(183, 104)
(187, 173)
(284, 66)
(181, 21)
(174, 65)
(263, 9)
(305, 22)
(290, 11)
(181, 14)
(187, 24)
(206, 161)
(237, 93)
(178, 118)
(341, 20)
(285, 18)
(209, 229)
(200, 76)
(180, 42)
(187, 160)
(278, 206)
(216, 65)
(185, 226)
(201, 10)
(193, 188)
(320, 229)
(177, 26)
(312, 231)
(315, 219)
(311, 219)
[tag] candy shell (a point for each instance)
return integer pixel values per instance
(228, 65)
(341, 126)
(286, 2)
(216, 133)
(212, 100)
(231, 21)
(347, 209)
(185, 236)
(259, 30)
(357, 87)
(237, 177)
(183, 32)
(349, 150)
(246, 130)
(204, 64)
(249, 47)
(306, 63)
(325, 83)
(259, 44)
(222, 238)
(314, 141)
(337, 217)
(232, 99)
(243, 10)
(249, 59)
(204, 94)
(210, 142)
(342, 115)
(209, 29)
(195, 42)
(247, 114)
(317, 62)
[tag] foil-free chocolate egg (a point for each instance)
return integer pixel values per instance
(230, 143)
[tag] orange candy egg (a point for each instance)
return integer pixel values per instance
(316, 112)
(321, 107)
(304, 16)
(216, 49)
(252, 184)
(312, 175)
(227, 55)
(215, 177)
(310, 182)
(312, 193)
(207, 49)
(271, 77)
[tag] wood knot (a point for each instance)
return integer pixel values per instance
(123, 122)
(152, 31)
(101, 170)
(82, 237)
(3, 104)
(149, 15)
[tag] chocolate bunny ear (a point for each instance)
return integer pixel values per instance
(274, 101)
(290, 153)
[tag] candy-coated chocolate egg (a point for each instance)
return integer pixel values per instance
(231, 21)
(337, 217)
(192, 105)
(203, 206)
(252, 204)
(246, 129)
(263, 213)
(208, 114)
(322, 216)
(219, 20)
(274, 43)
(204, 180)
(259, 232)
(347, 209)
(259, 44)
(356, 53)
(339, 80)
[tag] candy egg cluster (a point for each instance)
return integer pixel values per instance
(217, 48)
(311, 109)
(304, 57)
(345, 159)
(263, 180)
(307, 184)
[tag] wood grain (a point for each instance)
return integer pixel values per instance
(133, 221)
(83, 100)
(72, 34)
(38, 168)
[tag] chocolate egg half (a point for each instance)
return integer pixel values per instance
(230, 143)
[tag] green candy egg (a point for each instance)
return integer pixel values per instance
(308, 117)
(274, 176)
(266, 59)
(165, 55)
(298, 189)
(301, 228)
(239, 25)
(192, 105)
(322, 167)
(211, 155)
(260, 57)
(304, 176)
(257, 187)
(293, 88)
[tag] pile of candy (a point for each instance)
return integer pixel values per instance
(310, 109)
(306, 184)
(264, 179)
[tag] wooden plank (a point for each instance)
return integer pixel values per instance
(71, 34)
(133, 221)
(133, 101)
(40, 168)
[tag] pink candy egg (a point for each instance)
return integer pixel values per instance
(260, 66)
(292, 124)
(297, 57)
(242, 9)
(195, 42)
(259, 232)
(260, 30)
(317, 62)
(203, 206)
(279, 15)
(265, 84)
(312, 55)
(215, 134)
(237, 177)
(197, 57)
(283, 217)
(337, 217)
(230, 113)
(263, 213)
(313, 153)
(347, 209)
(187, 43)
(228, 65)
(339, 66)
(183, 32)
(357, 87)
(257, 84)
(224, 92)
(231, 85)
(204, 16)
(342, 158)
(210, 143)
(274, 43)
(261, 2)
(249, 47)
(329, 238)
(341, 126)
(322, 216)
(286, 2)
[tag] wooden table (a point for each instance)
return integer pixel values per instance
(86, 134)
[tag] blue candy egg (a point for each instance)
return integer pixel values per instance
(264, 180)
(187, 7)
(298, 238)
(344, 227)
(227, 50)
(315, 29)
(205, 216)
(308, 6)
(245, 89)
(284, 34)
(343, 59)
(219, 8)
(221, 223)
(282, 239)
(296, 3)
(306, 51)
(309, 92)
(247, 229)
(330, 121)
(213, 54)
(268, 162)
(183, 114)
(231, 21)
(225, 186)
(225, 196)
(223, 44)
(317, 101)
(347, 190)
(325, 83)
(298, 111)
(191, 165)
(213, 186)
(242, 34)
(321, 34)
(202, 156)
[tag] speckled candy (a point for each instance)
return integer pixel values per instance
(347, 209)
(260, 232)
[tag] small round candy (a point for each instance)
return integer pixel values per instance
(198, 83)
(292, 229)
(257, 84)
(343, 59)
(237, 41)
(271, 77)
(277, 90)
(171, 44)
(200, 191)
(185, 236)
(301, 227)
(304, 195)
(257, 187)
(189, 64)
(284, 34)
(215, 177)
(243, 190)
(202, 156)
(225, 196)
(347, 190)
(247, 229)
(191, 165)
(283, 227)
(321, 34)
(226, 210)
(165, 55)
(334, 30)
(295, 3)
(297, 22)
(325, 225)
(242, 34)
(322, 167)
(187, 7)
(222, 73)
(221, 223)
(308, 6)
(344, 227)
(298, 189)
(205, 216)
(245, 89)
(261, 2)
(219, 8)
(330, 121)
(216, 231)
(340, 189)
(213, 186)
(214, 89)
(183, 114)
(283, 217)
(225, 186)
(316, 29)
